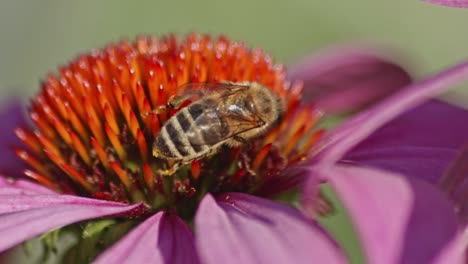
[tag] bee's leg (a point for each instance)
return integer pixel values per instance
(246, 164)
(156, 111)
(171, 170)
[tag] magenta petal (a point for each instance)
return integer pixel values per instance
(15, 203)
(452, 3)
(455, 184)
(240, 228)
(345, 79)
(12, 186)
(11, 116)
(420, 143)
(398, 219)
(23, 217)
(336, 144)
(161, 238)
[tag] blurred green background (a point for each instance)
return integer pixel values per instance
(37, 36)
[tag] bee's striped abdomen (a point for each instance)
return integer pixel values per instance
(178, 139)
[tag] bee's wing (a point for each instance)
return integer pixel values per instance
(195, 91)
(213, 127)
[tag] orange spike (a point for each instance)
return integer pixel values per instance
(80, 148)
(240, 173)
(92, 114)
(121, 173)
(291, 110)
(47, 144)
(75, 103)
(140, 97)
(110, 118)
(155, 124)
(162, 95)
(31, 160)
(292, 142)
(312, 140)
(43, 125)
(129, 116)
(115, 141)
(142, 45)
(117, 92)
(303, 117)
(153, 86)
(78, 177)
(133, 124)
(143, 147)
(272, 135)
(57, 102)
(77, 124)
(61, 129)
(96, 130)
(195, 169)
(311, 121)
(42, 180)
(182, 70)
(148, 176)
(30, 140)
(260, 157)
(170, 88)
(56, 159)
(102, 155)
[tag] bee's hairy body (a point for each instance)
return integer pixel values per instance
(229, 116)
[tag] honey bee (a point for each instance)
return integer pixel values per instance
(219, 114)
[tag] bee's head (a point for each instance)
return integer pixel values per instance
(265, 103)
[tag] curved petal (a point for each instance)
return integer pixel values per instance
(452, 3)
(455, 251)
(455, 184)
(14, 186)
(162, 238)
(11, 116)
(335, 145)
(348, 78)
(420, 143)
(398, 219)
(240, 228)
(23, 217)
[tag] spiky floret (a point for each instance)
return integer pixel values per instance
(93, 138)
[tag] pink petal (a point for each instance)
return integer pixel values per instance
(240, 228)
(420, 143)
(23, 217)
(336, 144)
(398, 219)
(11, 116)
(455, 251)
(13, 186)
(162, 238)
(346, 79)
(455, 184)
(16, 203)
(451, 3)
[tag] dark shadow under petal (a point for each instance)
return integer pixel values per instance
(240, 228)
